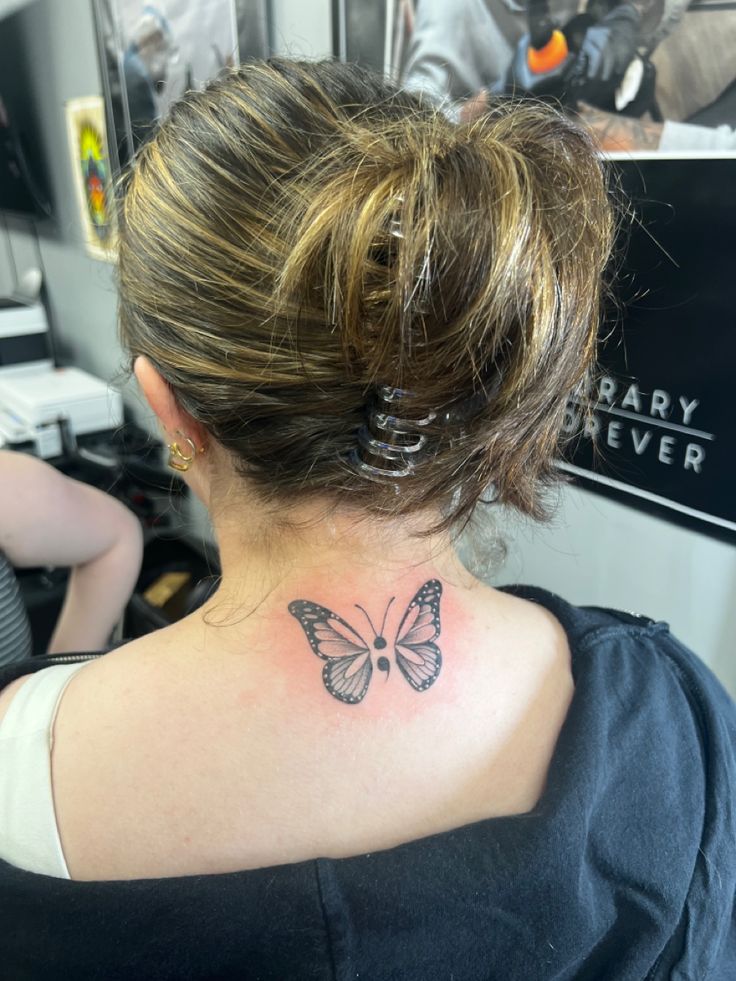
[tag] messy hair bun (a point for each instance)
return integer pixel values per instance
(301, 242)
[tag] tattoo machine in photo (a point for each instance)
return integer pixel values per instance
(597, 58)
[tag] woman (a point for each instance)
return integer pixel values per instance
(353, 322)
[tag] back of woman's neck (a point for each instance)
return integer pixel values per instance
(335, 551)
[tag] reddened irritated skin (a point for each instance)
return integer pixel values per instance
(385, 658)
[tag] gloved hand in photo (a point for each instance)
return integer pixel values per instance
(608, 47)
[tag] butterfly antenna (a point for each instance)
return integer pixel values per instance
(383, 625)
(357, 606)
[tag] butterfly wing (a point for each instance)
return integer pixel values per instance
(348, 671)
(418, 657)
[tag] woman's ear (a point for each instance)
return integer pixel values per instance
(160, 396)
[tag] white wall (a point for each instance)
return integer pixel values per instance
(599, 552)
(302, 28)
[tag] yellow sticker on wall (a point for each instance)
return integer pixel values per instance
(91, 166)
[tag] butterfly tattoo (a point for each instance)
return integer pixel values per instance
(349, 668)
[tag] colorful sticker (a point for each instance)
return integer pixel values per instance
(88, 145)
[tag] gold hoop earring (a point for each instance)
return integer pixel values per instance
(178, 460)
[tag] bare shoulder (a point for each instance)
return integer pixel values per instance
(527, 628)
(97, 675)
(129, 689)
(538, 622)
(529, 663)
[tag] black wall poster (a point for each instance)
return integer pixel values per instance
(663, 432)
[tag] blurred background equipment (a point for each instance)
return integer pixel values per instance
(24, 187)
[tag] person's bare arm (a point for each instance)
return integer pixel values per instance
(49, 519)
(621, 133)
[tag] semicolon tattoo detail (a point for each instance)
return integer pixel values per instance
(349, 668)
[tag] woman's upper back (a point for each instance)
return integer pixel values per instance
(612, 873)
(225, 761)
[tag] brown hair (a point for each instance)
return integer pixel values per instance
(300, 233)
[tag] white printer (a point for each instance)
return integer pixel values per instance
(36, 398)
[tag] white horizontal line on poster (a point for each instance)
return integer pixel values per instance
(647, 419)
(669, 155)
(646, 495)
